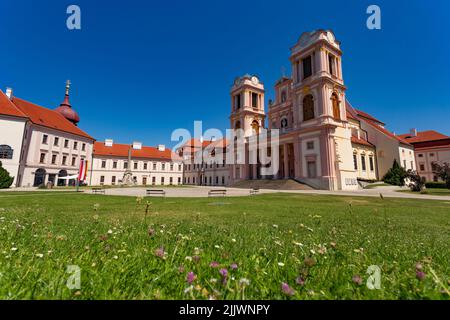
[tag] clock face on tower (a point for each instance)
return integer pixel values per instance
(255, 80)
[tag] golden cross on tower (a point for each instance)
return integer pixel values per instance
(68, 83)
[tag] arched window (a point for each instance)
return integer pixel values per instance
(308, 108)
(255, 126)
(336, 109)
(284, 123)
(6, 152)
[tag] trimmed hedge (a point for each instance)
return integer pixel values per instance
(435, 185)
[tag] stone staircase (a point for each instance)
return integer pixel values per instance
(284, 184)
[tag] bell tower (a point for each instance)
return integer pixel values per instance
(247, 105)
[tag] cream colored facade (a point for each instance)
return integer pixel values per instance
(51, 154)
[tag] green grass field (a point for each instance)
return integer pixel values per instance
(276, 246)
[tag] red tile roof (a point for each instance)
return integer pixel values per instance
(424, 136)
(48, 118)
(362, 142)
(8, 108)
(367, 116)
(121, 150)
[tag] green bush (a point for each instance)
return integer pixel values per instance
(5, 179)
(435, 185)
(396, 175)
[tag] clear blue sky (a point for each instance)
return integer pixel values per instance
(143, 68)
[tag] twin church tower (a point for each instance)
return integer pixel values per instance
(310, 112)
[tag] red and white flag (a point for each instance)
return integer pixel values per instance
(82, 173)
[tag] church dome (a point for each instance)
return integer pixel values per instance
(65, 108)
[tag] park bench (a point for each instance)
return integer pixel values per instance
(254, 191)
(98, 190)
(154, 192)
(217, 192)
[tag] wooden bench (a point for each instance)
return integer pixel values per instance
(217, 192)
(254, 191)
(98, 190)
(155, 192)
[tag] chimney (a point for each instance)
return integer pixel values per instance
(109, 142)
(9, 93)
(137, 145)
(413, 132)
(161, 147)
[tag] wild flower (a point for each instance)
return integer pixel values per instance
(224, 274)
(357, 280)
(151, 232)
(188, 289)
(333, 245)
(243, 282)
(190, 277)
(234, 266)
(286, 289)
(420, 275)
(214, 264)
(300, 281)
(196, 259)
(188, 258)
(39, 255)
(275, 226)
(181, 269)
(14, 249)
(281, 264)
(110, 231)
(419, 266)
(160, 253)
(233, 240)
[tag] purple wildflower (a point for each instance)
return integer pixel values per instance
(214, 264)
(233, 266)
(196, 259)
(160, 253)
(357, 280)
(300, 281)
(286, 289)
(190, 277)
(420, 275)
(224, 273)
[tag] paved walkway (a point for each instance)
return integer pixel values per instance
(202, 191)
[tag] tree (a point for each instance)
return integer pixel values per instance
(415, 182)
(5, 179)
(443, 172)
(396, 175)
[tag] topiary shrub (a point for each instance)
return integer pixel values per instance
(396, 175)
(5, 179)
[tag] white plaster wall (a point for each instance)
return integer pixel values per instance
(11, 134)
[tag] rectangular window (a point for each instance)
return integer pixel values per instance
(223, 180)
(153, 180)
(180, 167)
(355, 162)
(113, 180)
(371, 164)
(217, 180)
(312, 169)
(237, 101)
(44, 139)
(74, 161)
(135, 166)
(66, 143)
(154, 165)
(307, 67)
(75, 145)
(125, 165)
(310, 145)
(115, 165)
(56, 142)
(163, 166)
(412, 165)
(254, 100)
(42, 158)
(179, 180)
(363, 162)
(145, 166)
(83, 147)
(404, 164)
(54, 159)
(171, 167)
(422, 167)
(171, 181)
(102, 179)
(162, 180)
(420, 155)
(103, 164)
(64, 161)
(144, 181)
